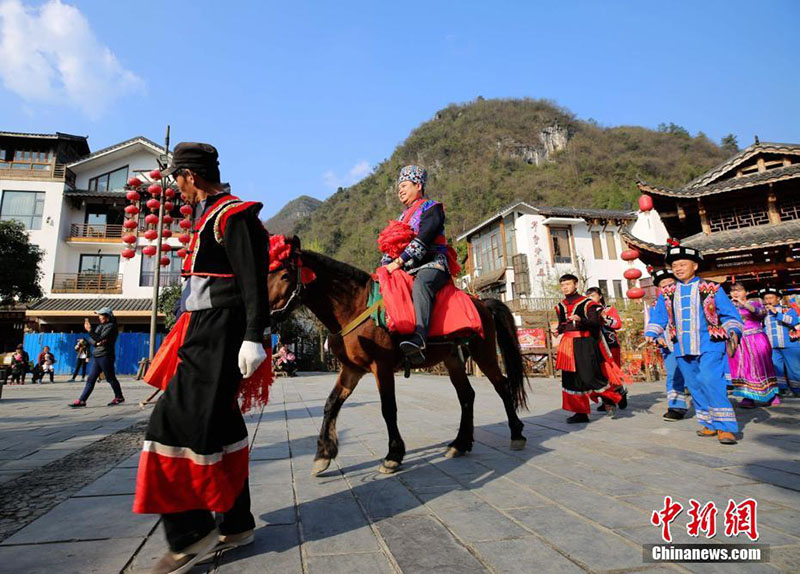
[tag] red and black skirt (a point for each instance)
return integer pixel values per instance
(195, 454)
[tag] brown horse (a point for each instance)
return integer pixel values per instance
(339, 295)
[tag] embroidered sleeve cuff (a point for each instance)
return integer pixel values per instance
(785, 320)
(654, 330)
(733, 326)
(416, 250)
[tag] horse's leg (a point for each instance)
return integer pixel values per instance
(328, 442)
(483, 351)
(397, 448)
(466, 397)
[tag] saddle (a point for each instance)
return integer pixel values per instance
(454, 313)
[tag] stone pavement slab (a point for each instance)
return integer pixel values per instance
(577, 499)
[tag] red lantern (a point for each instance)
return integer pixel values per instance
(151, 234)
(169, 206)
(151, 219)
(186, 209)
(630, 255)
(128, 253)
(182, 253)
(635, 293)
(167, 219)
(645, 202)
(165, 261)
(184, 238)
(169, 193)
(149, 250)
(131, 210)
(129, 238)
(166, 233)
(153, 204)
(133, 195)
(130, 224)
(166, 247)
(185, 224)
(155, 174)
(154, 190)
(632, 273)
(134, 182)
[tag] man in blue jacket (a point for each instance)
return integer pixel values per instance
(701, 321)
(104, 338)
(781, 326)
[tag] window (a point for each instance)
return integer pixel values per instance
(170, 275)
(24, 206)
(511, 237)
(522, 280)
(603, 284)
(99, 264)
(561, 250)
(497, 255)
(612, 246)
(618, 288)
(597, 245)
(102, 214)
(113, 180)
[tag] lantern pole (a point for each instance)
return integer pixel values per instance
(157, 262)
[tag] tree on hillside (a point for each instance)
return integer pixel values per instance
(674, 129)
(730, 144)
(19, 261)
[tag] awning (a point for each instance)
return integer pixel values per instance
(82, 307)
(488, 279)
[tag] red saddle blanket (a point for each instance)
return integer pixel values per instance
(453, 311)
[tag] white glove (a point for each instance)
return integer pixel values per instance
(251, 355)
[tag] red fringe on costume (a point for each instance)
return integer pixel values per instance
(395, 238)
(253, 391)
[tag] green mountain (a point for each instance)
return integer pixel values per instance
(285, 221)
(485, 154)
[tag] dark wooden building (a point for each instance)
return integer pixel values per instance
(744, 215)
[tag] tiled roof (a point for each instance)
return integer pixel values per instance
(117, 193)
(730, 240)
(90, 305)
(759, 178)
(587, 213)
(741, 157)
(55, 136)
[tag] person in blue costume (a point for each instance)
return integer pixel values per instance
(702, 322)
(677, 403)
(781, 325)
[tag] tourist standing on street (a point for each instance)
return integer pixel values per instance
(104, 338)
(588, 370)
(611, 324)
(19, 365)
(752, 373)
(45, 365)
(700, 319)
(195, 456)
(677, 398)
(82, 355)
(781, 326)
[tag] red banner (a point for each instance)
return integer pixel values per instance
(532, 338)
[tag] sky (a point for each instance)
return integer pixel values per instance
(303, 97)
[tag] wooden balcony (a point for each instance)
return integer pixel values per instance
(95, 233)
(36, 170)
(110, 283)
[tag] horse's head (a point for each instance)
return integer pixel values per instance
(285, 275)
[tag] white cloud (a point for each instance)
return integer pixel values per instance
(356, 173)
(50, 55)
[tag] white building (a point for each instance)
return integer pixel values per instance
(72, 203)
(518, 254)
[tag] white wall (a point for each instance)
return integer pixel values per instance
(139, 158)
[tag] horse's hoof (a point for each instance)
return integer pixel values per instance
(518, 443)
(453, 452)
(320, 466)
(389, 467)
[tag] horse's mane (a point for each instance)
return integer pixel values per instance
(339, 269)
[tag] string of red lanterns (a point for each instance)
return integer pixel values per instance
(630, 255)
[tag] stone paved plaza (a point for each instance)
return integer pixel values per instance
(577, 499)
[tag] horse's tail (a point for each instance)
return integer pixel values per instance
(510, 350)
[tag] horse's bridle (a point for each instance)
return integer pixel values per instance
(294, 297)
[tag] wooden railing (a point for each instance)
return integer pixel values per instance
(94, 232)
(87, 283)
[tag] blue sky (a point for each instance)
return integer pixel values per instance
(302, 97)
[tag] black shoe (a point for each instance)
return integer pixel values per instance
(413, 349)
(623, 403)
(116, 401)
(672, 416)
(578, 418)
